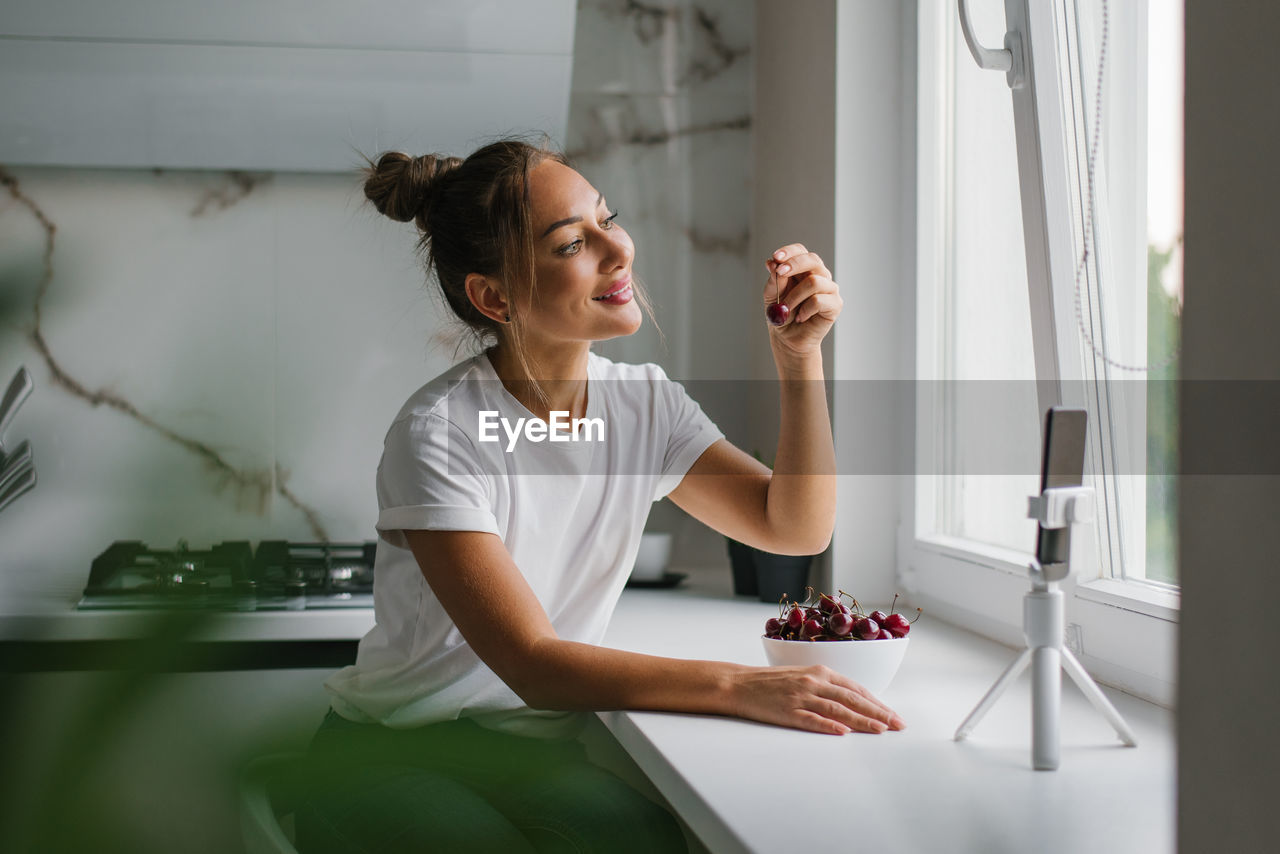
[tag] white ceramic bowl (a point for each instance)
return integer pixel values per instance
(653, 557)
(872, 664)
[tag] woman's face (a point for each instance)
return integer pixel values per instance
(582, 261)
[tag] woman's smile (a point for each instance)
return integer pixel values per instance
(618, 294)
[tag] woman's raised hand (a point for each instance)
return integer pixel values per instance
(800, 281)
(817, 699)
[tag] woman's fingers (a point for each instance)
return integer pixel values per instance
(794, 275)
(828, 305)
(784, 260)
(810, 296)
(886, 714)
(802, 262)
(814, 722)
(841, 713)
(857, 700)
(805, 285)
(787, 252)
(822, 714)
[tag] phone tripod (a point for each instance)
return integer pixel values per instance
(1042, 624)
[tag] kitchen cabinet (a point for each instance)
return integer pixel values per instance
(285, 86)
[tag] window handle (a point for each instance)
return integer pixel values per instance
(1008, 60)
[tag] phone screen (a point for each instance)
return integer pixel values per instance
(1061, 465)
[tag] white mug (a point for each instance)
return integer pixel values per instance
(651, 560)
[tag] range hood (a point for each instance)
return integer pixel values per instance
(290, 85)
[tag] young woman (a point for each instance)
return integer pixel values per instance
(503, 550)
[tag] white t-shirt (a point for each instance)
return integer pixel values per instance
(569, 512)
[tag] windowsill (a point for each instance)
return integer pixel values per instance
(1132, 596)
(1000, 558)
(742, 786)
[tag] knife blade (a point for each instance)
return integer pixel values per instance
(20, 453)
(13, 472)
(20, 486)
(19, 387)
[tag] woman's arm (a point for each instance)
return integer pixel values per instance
(792, 509)
(498, 614)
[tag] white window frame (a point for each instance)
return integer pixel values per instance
(1123, 631)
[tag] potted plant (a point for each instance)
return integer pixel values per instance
(767, 575)
(764, 574)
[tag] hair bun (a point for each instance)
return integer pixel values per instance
(401, 186)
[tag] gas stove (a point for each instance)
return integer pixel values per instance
(232, 576)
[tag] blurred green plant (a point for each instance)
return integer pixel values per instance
(1164, 337)
(54, 799)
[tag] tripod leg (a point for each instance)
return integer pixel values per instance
(1010, 673)
(1100, 702)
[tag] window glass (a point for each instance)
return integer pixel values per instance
(1164, 280)
(992, 418)
(1137, 246)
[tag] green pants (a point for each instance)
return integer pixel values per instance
(457, 787)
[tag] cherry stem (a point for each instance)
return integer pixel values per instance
(856, 607)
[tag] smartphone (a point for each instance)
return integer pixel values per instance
(1061, 465)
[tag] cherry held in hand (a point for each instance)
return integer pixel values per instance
(777, 313)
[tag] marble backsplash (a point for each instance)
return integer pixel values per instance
(217, 355)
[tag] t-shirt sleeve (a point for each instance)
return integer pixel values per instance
(690, 432)
(431, 479)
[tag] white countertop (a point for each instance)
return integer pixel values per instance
(68, 624)
(743, 786)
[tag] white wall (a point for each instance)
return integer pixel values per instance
(833, 160)
(875, 228)
(794, 188)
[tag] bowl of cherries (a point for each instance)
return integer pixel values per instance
(835, 631)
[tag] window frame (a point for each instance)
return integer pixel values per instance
(1123, 630)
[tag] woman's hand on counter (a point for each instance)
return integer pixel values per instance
(814, 698)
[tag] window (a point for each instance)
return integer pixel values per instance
(1048, 250)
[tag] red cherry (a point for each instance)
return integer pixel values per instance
(868, 629)
(795, 618)
(827, 603)
(879, 616)
(840, 624)
(777, 313)
(811, 630)
(773, 627)
(897, 624)
(884, 635)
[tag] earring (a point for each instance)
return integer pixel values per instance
(508, 318)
